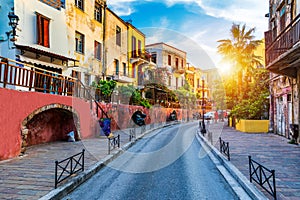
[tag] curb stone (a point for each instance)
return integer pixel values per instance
(231, 174)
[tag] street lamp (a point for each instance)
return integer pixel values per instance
(13, 22)
(203, 130)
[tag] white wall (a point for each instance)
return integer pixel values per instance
(26, 10)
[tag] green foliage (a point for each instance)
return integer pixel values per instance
(256, 105)
(134, 95)
(185, 95)
(106, 88)
(247, 87)
(145, 103)
(126, 91)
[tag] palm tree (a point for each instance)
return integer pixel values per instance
(240, 51)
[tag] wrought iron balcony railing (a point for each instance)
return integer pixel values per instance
(276, 46)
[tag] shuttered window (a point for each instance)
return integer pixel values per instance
(97, 48)
(43, 30)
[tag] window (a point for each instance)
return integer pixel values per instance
(133, 70)
(282, 14)
(139, 47)
(87, 78)
(98, 12)
(43, 30)
(117, 66)
(133, 47)
(79, 42)
(79, 4)
(169, 60)
(182, 64)
(118, 35)
(176, 63)
(76, 74)
(153, 57)
(124, 69)
(176, 83)
(97, 49)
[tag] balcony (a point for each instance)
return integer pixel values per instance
(140, 57)
(283, 51)
(122, 78)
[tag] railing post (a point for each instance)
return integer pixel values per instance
(228, 154)
(56, 163)
(274, 185)
(71, 165)
(260, 174)
(108, 145)
(83, 159)
(250, 170)
(5, 74)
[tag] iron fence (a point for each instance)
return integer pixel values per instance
(262, 176)
(224, 148)
(69, 166)
(113, 142)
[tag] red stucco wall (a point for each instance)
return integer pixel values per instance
(15, 106)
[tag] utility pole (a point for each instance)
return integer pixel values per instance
(203, 130)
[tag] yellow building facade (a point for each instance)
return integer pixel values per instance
(115, 49)
(135, 54)
(85, 28)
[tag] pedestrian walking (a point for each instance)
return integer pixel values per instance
(216, 116)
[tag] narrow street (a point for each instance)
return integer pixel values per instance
(165, 164)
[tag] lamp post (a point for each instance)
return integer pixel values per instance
(203, 130)
(13, 22)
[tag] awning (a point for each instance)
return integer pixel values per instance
(39, 62)
(37, 50)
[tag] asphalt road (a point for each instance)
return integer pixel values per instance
(166, 164)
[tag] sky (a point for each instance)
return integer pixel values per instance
(193, 26)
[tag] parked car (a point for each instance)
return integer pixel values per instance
(209, 115)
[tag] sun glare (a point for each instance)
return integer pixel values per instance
(224, 67)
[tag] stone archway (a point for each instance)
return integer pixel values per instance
(48, 124)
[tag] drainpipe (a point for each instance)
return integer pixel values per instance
(292, 99)
(298, 92)
(104, 46)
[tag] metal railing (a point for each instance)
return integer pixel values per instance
(69, 166)
(132, 134)
(13, 73)
(86, 93)
(113, 142)
(283, 42)
(262, 176)
(224, 148)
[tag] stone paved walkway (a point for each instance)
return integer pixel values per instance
(32, 175)
(270, 150)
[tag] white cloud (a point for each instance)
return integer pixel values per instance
(250, 12)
